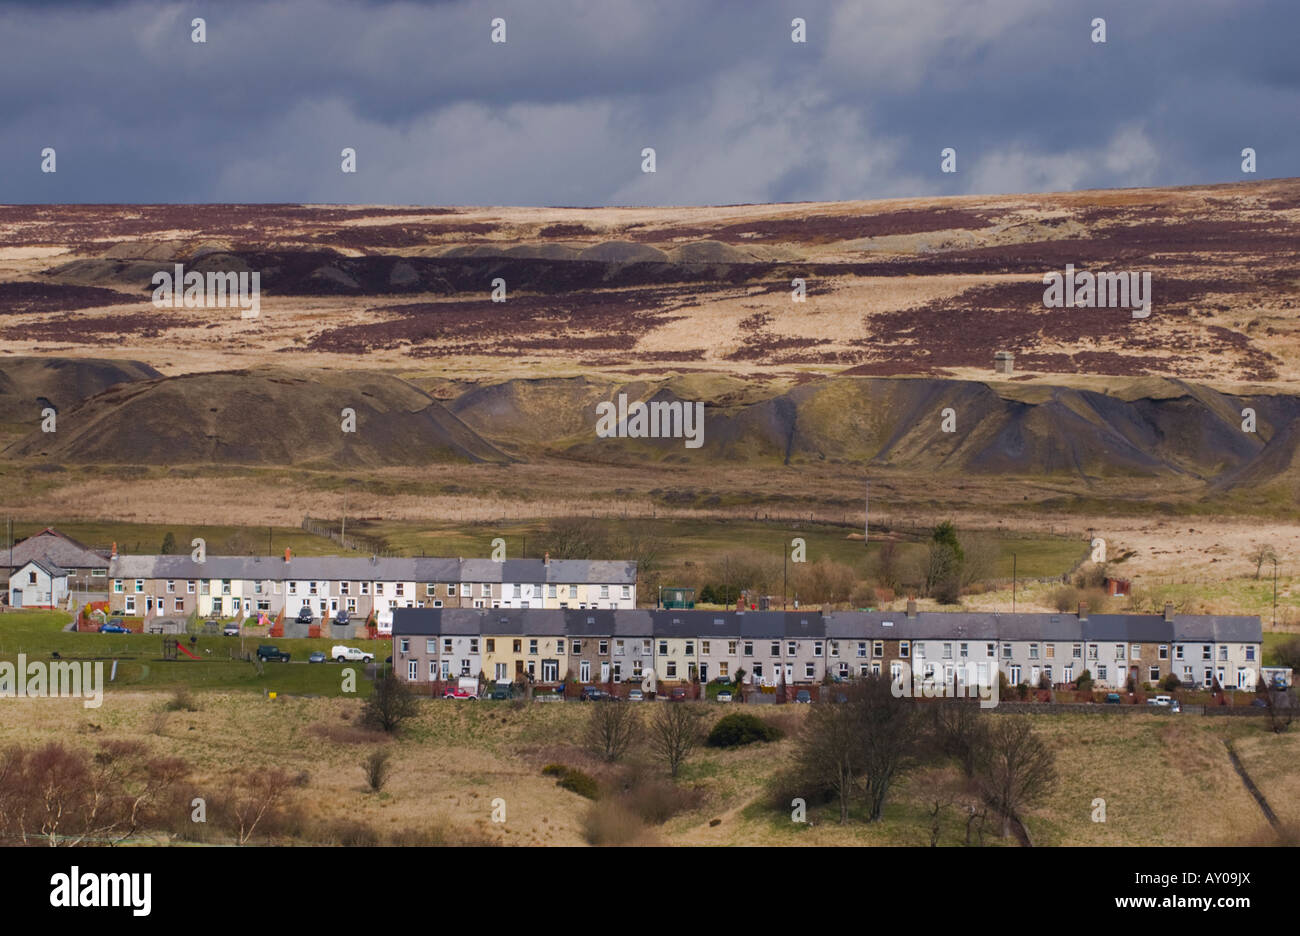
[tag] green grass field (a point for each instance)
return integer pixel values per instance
(220, 540)
(38, 634)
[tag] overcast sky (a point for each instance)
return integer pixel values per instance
(559, 113)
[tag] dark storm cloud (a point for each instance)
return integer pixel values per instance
(559, 114)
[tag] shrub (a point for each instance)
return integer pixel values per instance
(1084, 682)
(573, 779)
(611, 823)
(377, 767)
(1170, 683)
(182, 701)
(741, 728)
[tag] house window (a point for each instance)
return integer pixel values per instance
(1205, 648)
(947, 651)
(225, 586)
(604, 591)
(791, 648)
(405, 645)
(430, 589)
(862, 648)
(551, 591)
(776, 648)
(430, 645)
(31, 578)
(723, 671)
(988, 651)
(663, 648)
(1153, 674)
(345, 588)
(180, 604)
(704, 647)
(577, 647)
(877, 648)
(311, 588)
(1050, 651)
(809, 670)
(491, 643)
(627, 591)
(1164, 651)
(1250, 652)
(603, 647)
(645, 647)
(904, 648)
(671, 670)
(1136, 650)
(817, 648)
(1077, 652)
(690, 648)
(618, 648)
(573, 591)
(466, 590)
(139, 587)
(1119, 651)
(1092, 651)
(446, 645)
(1033, 651)
(1101, 672)
(1178, 652)
(500, 671)
(532, 645)
(1223, 652)
(1006, 651)
(749, 648)
(365, 588)
(171, 586)
(518, 646)
(559, 645)
(401, 589)
(731, 648)
(835, 648)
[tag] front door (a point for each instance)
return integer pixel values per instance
(148, 605)
(18, 599)
(704, 672)
(604, 670)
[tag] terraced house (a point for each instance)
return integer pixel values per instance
(774, 647)
(238, 586)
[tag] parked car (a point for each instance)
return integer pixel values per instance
(1260, 703)
(501, 692)
(594, 694)
(677, 695)
(350, 654)
(1112, 698)
(304, 615)
(111, 628)
(724, 695)
(231, 629)
(1175, 706)
(455, 692)
(1161, 700)
(341, 618)
(803, 695)
(317, 656)
(549, 696)
(269, 652)
(635, 695)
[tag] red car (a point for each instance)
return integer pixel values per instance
(678, 695)
(459, 694)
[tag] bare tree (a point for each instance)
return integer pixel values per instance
(957, 730)
(390, 704)
(611, 730)
(860, 746)
(1015, 770)
(576, 538)
(377, 767)
(1279, 705)
(830, 753)
(254, 800)
(1260, 555)
(675, 732)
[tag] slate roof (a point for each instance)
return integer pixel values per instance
(361, 569)
(840, 625)
(55, 547)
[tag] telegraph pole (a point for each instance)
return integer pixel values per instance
(1275, 593)
(1013, 583)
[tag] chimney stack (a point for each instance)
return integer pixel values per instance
(114, 555)
(1169, 610)
(288, 555)
(911, 609)
(546, 558)
(1083, 611)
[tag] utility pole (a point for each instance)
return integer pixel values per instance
(785, 565)
(343, 534)
(866, 511)
(1275, 593)
(1013, 583)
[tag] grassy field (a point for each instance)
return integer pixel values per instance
(220, 540)
(1166, 779)
(38, 634)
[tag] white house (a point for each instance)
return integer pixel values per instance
(38, 583)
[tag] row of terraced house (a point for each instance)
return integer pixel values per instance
(241, 586)
(771, 647)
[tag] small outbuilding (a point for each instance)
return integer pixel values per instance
(38, 583)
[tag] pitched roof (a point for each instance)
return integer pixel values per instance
(56, 547)
(49, 568)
